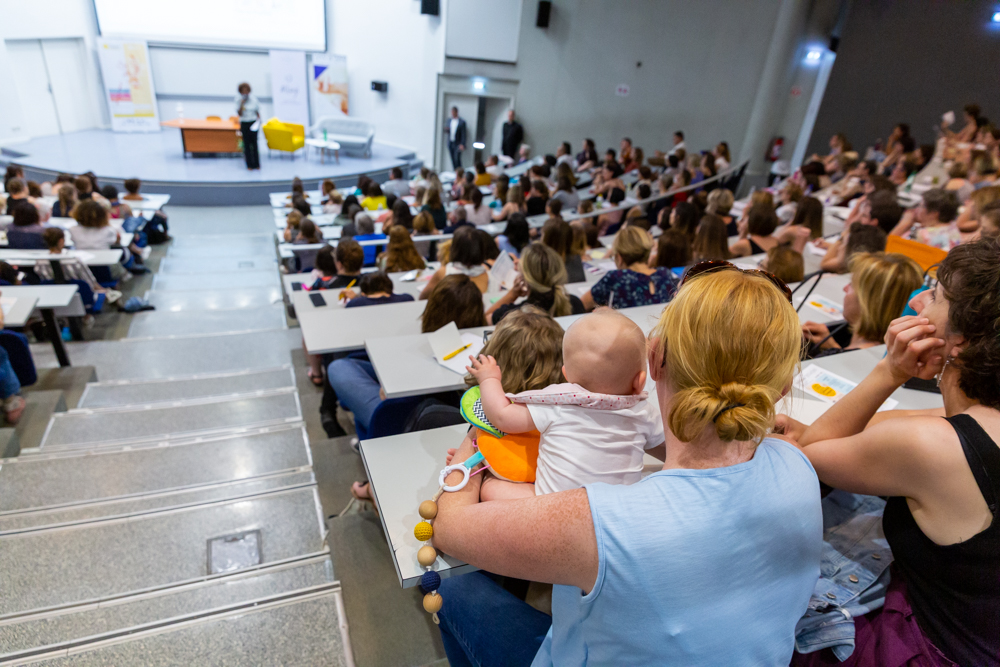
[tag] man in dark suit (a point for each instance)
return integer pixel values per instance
(513, 135)
(455, 128)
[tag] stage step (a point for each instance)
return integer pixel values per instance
(75, 624)
(50, 480)
(303, 628)
(175, 263)
(133, 392)
(220, 299)
(157, 422)
(214, 281)
(99, 559)
(182, 355)
(166, 323)
(21, 522)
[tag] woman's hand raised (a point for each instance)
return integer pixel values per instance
(912, 350)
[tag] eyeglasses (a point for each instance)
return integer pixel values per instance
(722, 265)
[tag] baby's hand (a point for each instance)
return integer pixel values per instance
(484, 368)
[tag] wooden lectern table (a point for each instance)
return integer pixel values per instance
(207, 136)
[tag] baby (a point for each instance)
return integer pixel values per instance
(596, 426)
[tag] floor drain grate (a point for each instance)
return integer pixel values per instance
(234, 552)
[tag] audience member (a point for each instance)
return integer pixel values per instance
(17, 193)
(633, 282)
(396, 184)
(756, 233)
(465, 257)
(880, 286)
(935, 215)
(558, 235)
(514, 204)
(376, 290)
(939, 474)
(711, 242)
(25, 233)
(432, 204)
(757, 495)
(540, 280)
(673, 249)
(63, 207)
(785, 263)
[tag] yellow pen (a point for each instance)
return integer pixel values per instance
(452, 355)
(342, 296)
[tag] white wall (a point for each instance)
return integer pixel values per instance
(44, 19)
(389, 40)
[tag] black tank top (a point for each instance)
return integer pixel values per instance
(954, 590)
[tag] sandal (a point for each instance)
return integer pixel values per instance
(317, 380)
(13, 408)
(360, 493)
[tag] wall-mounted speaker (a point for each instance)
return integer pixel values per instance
(544, 11)
(380, 86)
(432, 7)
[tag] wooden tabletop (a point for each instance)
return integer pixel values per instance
(201, 124)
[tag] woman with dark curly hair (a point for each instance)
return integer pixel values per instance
(942, 476)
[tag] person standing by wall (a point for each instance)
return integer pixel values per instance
(248, 109)
(513, 135)
(456, 131)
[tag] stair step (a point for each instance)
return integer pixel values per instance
(304, 628)
(9, 446)
(41, 407)
(166, 323)
(21, 522)
(263, 262)
(224, 245)
(133, 392)
(71, 477)
(72, 380)
(182, 355)
(71, 565)
(218, 299)
(214, 281)
(75, 624)
(155, 422)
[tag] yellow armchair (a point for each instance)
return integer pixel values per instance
(288, 137)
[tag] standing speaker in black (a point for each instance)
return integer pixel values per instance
(432, 7)
(544, 9)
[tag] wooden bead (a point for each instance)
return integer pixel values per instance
(428, 509)
(432, 603)
(423, 531)
(426, 556)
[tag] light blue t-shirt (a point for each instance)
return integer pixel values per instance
(696, 567)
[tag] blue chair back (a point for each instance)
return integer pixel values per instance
(18, 240)
(389, 417)
(16, 346)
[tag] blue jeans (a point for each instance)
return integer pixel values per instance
(357, 387)
(483, 625)
(9, 384)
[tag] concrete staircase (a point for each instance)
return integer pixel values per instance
(158, 504)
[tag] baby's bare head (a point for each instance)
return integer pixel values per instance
(604, 352)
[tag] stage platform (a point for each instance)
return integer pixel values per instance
(157, 159)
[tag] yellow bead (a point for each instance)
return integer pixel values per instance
(426, 556)
(423, 531)
(428, 509)
(432, 603)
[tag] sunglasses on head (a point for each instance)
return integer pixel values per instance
(722, 265)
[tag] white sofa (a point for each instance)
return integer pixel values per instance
(352, 134)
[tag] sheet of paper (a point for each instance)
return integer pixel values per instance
(6, 303)
(409, 276)
(503, 272)
(461, 360)
(829, 387)
(801, 409)
(812, 249)
(824, 305)
(445, 340)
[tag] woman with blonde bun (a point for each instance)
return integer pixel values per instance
(674, 568)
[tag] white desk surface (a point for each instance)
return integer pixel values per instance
(48, 296)
(334, 328)
(403, 469)
(413, 287)
(406, 366)
(830, 286)
(90, 257)
(402, 472)
(20, 310)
